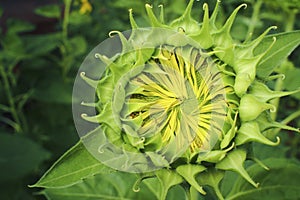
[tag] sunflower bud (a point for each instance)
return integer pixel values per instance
(177, 99)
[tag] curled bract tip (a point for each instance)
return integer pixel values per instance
(148, 5)
(205, 5)
(100, 149)
(277, 141)
(273, 108)
(83, 115)
(244, 5)
(112, 33)
(136, 187)
(82, 73)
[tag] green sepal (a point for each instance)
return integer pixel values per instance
(264, 94)
(212, 177)
(249, 132)
(167, 179)
(189, 172)
(234, 162)
(153, 20)
(250, 107)
(89, 81)
(246, 50)
(204, 32)
(213, 156)
(230, 133)
(186, 22)
(265, 122)
(222, 38)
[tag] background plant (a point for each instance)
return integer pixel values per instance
(37, 71)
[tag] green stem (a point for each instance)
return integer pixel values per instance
(275, 102)
(65, 24)
(11, 102)
(219, 194)
(289, 23)
(254, 18)
(291, 117)
(66, 19)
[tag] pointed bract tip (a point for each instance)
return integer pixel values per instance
(148, 5)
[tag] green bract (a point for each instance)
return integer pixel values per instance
(182, 100)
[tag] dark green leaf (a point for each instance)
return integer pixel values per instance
(17, 26)
(280, 182)
(41, 44)
(114, 186)
(284, 45)
(76, 18)
(292, 81)
(19, 156)
(75, 165)
(77, 45)
(53, 89)
(51, 11)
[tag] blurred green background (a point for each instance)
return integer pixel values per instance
(42, 44)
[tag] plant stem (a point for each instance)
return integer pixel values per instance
(10, 99)
(63, 48)
(219, 194)
(254, 18)
(66, 19)
(291, 117)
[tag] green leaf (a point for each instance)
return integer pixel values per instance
(280, 182)
(167, 179)
(75, 165)
(78, 19)
(234, 161)
(50, 11)
(19, 156)
(189, 172)
(53, 89)
(17, 26)
(114, 186)
(41, 44)
(212, 178)
(292, 81)
(284, 45)
(77, 45)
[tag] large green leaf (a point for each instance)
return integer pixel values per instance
(280, 182)
(292, 81)
(53, 89)
(114, 186)
(75, 165)
(284, 45)
(51, 11)
(19, 156)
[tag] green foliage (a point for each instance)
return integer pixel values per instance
(284, 44)
(74, 166)
(23, 158)
(49, 11)
(280, 182)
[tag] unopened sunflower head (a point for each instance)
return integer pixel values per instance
(183, 96)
